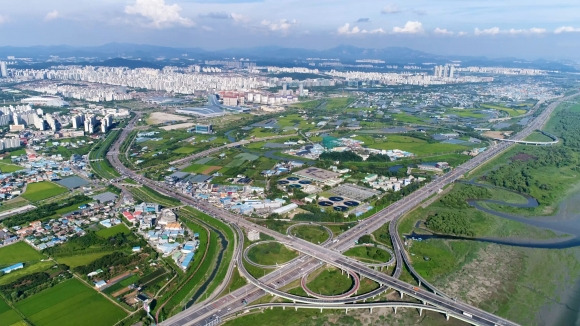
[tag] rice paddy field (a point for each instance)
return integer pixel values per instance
(70, 303)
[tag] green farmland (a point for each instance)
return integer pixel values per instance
(19, 252)
(7, 168)
(8, 316)
(42, 190)
(107, 233)
(70, 303)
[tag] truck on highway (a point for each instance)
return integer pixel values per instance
(467, 314)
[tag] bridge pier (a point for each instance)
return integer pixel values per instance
(296, 308)
(371, 310)
(395, 310)
(321, 309)
(401, 294)
(447, 316)
(419, 283)
(420, 311)
(283, 307)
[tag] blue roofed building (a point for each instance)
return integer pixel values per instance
(12, 268)
(187, 260)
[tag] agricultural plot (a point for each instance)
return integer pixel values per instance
(70, 303)
(7, 168)
(511, 112)
(13, 203)
(7, 315)
(82, 259)
(19, 252)
(417, 146)
(185, 150)
(42, 190)
(117, 229)
(202, 168)
(204, 160)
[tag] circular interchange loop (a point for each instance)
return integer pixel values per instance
(346, 294)
(329, 231)
(246, 258)
(385, 264)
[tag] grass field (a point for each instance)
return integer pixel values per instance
(465, 113)
(7, 315)
(538, 136)
(201, 168)
(7, 168)
(13, 203)
(330, 282)
(42, 190)
(511, 112)
(312, 233)
(70, 303)
(80, 260)
(203, 160)
(185, 150)
(416, 146)
(19, 252)
(271, 253)
(107, 233)
(369, 254)
(407, 118)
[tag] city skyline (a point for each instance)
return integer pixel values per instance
(495, 29)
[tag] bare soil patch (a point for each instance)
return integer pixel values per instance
(179, 126)
(211, 169)
(162, 117)
(523, 157)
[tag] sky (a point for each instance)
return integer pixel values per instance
(526, 29)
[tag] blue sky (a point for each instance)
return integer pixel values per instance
(527, 29)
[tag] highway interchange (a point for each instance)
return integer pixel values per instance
(331, 253)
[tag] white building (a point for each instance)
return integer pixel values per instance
(253, 235)
(285, 209)
(3, 70)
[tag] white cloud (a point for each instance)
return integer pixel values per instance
(537, 30)
(282, 25)
(533, 30)
(207, 28)
(377, 31)
(488, 31)
(411, 27)
(391, 9)
(51, 15)
(239, 18)
(512, 31)
(442, 31)
(159, 13)
(224, 15)
(347, 30)
(566, 29)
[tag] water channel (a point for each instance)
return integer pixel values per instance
(564, 307)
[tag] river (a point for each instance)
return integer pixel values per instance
(564, 306)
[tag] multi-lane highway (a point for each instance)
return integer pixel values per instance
(332, 255)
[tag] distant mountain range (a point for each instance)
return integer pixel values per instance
(158, 56)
